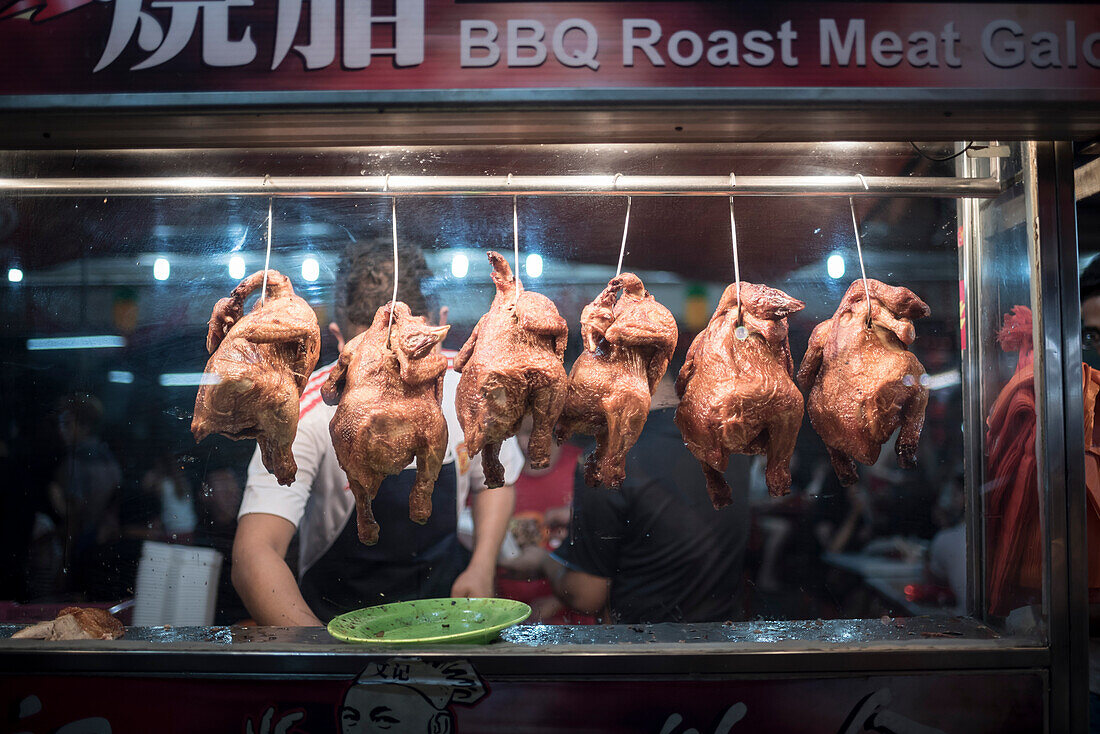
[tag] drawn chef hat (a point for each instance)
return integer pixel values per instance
(442, 683)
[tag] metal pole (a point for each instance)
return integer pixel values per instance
(614, 185)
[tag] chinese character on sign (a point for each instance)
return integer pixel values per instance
(218, 49)
(165, 40)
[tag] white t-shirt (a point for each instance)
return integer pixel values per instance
(947, 560)
(319, 502)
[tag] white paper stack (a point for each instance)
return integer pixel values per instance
(176, 585)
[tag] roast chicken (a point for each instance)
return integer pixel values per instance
(388, 387)
(259, 365)
(628, 342)
(511, 366)
(863, 381)
(736, 392)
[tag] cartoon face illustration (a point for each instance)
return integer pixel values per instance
(391, 708)
(408, 695)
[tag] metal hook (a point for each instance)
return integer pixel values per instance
(267, 256)
(859, 248)
(626, 228)
(740, 332)
(393, 299)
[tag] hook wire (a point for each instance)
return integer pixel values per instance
(393, 300)
(622, 247)
(736, 258)
(267, 257)
(515, 245)
(859, 247)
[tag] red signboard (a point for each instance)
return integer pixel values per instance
(409, 695)
(111, 46)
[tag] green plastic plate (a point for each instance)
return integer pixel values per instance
(472, 621)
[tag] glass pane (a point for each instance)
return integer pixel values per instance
(99, 439)
(1013, 561)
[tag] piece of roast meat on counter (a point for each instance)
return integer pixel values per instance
(627, 346)
(736, 392)
(863, 381)
(75, 623)
(259, 365)
(511, 366)
(388, 395)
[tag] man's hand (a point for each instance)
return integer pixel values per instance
(475, 582)
(261, 576)
(528, 564)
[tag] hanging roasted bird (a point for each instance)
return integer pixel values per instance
(259, 365)
(736, 392)
(388, 387)
(511, 366)
(863, 381)
(628, 342)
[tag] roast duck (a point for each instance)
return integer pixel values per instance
(388, 387)
(511, 366)
(736, 392)
(628, 342)
(259, 365)
(863, 381)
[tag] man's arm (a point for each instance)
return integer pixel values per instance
(260, 574)
(492, 509)
(577, 589)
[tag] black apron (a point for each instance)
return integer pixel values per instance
(409, 561)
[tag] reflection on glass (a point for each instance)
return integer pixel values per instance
(145, 274)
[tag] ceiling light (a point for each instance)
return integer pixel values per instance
(188, 379)
(460, 265)
(311, 269)
(533, 265)
(236, 267)
(15, 275)
(835, 267)
(161, 268)
(122, 377)
(75, 342)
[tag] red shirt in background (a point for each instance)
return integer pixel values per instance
(534, 496)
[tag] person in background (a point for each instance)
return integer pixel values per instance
(543, 499)
(85, 487)
(1090, 353)
(337, 573)
(656, 550)
(219, 500)
(947, 552)
(167, 480)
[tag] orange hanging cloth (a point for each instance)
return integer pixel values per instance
(1013, 529)
(1013, 548)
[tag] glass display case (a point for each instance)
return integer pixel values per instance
(918, 596)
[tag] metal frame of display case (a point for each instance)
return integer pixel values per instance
(1061, 661)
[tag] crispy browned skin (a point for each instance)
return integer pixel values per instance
(863, 381)
(737, 395)
(259, 365)
(389, 397)
(627, 346)
(75, 623)
(511, 366)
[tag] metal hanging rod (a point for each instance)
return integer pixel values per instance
(605, 185)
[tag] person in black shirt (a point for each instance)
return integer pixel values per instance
(656, 550)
